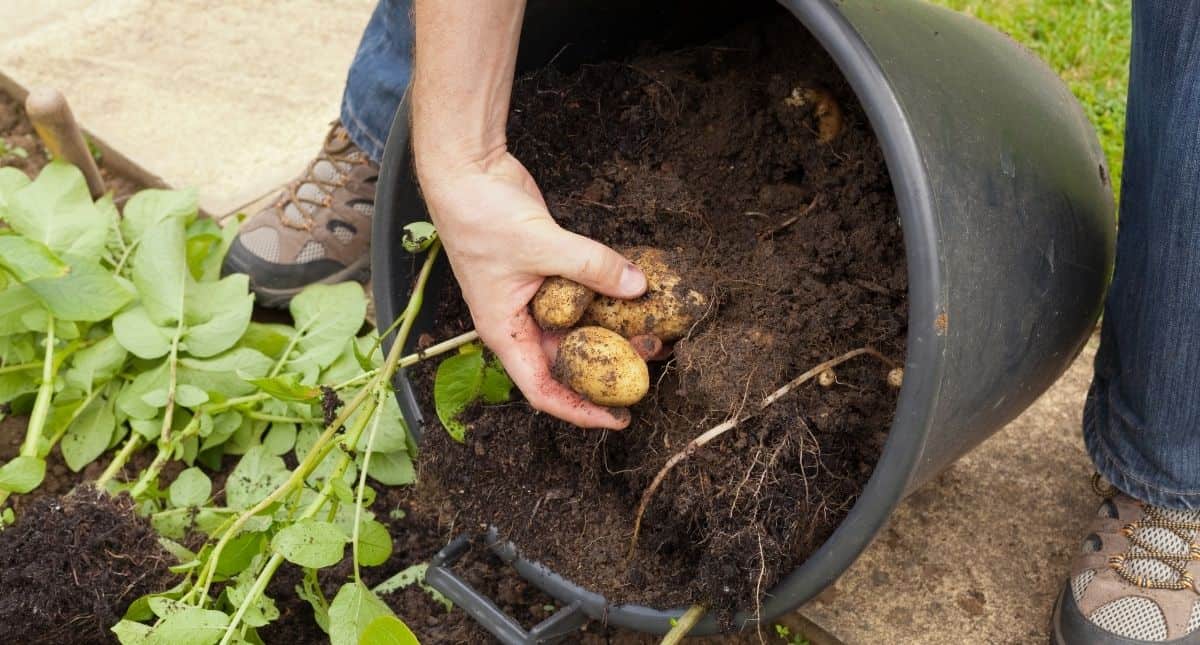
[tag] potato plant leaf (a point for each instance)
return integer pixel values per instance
(191, 488)
(28, 259)
(326, 317)
(22, 474)
(286, 387)
(374, 543)
(387, 630)
(310, 543)
(353, 609)
(255, 476)
(88, 435)
(57, 210)
(461, 380)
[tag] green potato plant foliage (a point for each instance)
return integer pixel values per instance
(117, 334)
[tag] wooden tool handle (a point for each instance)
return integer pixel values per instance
(55, 124)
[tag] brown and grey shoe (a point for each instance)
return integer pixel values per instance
(318, 230)
(1135, 579)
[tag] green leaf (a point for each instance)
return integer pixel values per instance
(131, 401)
(495, 387)
(57, 210)
(269, 339)
(96, 364)
(280, 439)
(418, 236)
(28, 259)
(89, 435)
(217, 315)
(391, 434)
(191, 488)
(190, 626)
(15, 303)
(374, 543)
(387, 630)
(286, 387)
(392, 468)
(160, 272)
(151, 207)
(240, 551)
(22, 474)
(255, 476)
(326, 317)
(140, 335)
(455, 386)
(353, 609)
(222, 374)
(87, 292)
(259, 613)
(131, 633)
(407, 577)
(310, 543)
(190, 396)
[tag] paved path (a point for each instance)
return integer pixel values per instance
(232, 97)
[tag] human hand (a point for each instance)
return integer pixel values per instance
(502, 242)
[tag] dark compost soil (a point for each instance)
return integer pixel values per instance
(72, 564)
(707, 152)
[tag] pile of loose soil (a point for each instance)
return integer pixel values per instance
(72, 564)
(705, 151)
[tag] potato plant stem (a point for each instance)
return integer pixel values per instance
(686, 622)
(41, 405)
(323, 443)
(120, 459)
(264, 577)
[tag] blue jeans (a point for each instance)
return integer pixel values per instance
(379, 76)
(1142, 416)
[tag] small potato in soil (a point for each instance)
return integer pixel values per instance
(559, 303)
(668, 309)
(602, 366)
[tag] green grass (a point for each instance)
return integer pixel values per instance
(1085, 41)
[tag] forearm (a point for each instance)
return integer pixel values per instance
(466, 53)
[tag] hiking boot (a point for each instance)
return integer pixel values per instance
(1134, 581)
(318, 230)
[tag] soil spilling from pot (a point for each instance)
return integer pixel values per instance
(71, 565)
(717, 152)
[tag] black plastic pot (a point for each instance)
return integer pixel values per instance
(1008, 222)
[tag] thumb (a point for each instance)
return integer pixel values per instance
(594, 265)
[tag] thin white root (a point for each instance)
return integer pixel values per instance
(731, 423)
(684, 625)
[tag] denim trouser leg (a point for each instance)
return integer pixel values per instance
(1142, 417)
(379, 76)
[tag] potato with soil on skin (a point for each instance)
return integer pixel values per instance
(559, 303)
(668, 309)
(602, 366)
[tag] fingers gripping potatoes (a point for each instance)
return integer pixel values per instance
(596, 360)
(667, 310)
(602, 366)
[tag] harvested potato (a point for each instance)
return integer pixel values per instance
(668, 309)
(559, 303)
(602, 366)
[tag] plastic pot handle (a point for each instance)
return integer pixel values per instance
(479, 607)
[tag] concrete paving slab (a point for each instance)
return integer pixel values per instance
(232, 97)
(978, 555)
